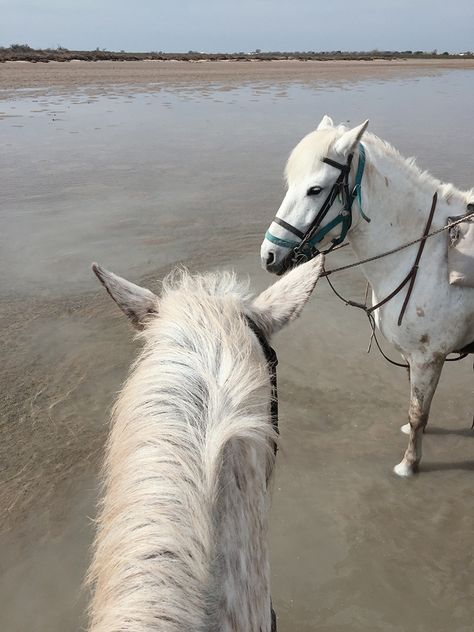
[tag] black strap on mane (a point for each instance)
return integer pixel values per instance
(272, 362)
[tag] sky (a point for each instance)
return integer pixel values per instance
(242, 25)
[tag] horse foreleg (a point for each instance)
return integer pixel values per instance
(424, 377)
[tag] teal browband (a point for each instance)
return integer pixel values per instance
(344, 217)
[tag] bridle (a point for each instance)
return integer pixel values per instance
(272, 362)
(305, 249)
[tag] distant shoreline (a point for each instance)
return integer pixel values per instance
(22, 52)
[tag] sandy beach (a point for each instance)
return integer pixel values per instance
(25, 75)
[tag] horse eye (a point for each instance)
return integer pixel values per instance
(314, 191)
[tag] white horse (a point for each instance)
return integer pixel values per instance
(181, 541)
(396, 197)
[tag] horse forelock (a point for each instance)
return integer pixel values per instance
(308, 153)
(199, 385)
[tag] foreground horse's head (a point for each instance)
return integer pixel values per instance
(271, 310)
(314, 188)
(181, 540)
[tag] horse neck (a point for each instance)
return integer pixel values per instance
(397, 198)
(242, 574)
(180, 544)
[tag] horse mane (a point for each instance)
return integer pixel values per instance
(317, 144)
(195, 389)
(409, 165)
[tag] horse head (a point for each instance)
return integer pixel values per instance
(271, 310)
(316, 207)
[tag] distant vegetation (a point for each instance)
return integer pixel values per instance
(23, 52)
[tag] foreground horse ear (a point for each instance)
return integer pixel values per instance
(283, 301)
(134, 301)
(326, 123)
(346, 143)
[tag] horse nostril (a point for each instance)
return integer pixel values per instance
(270, 258)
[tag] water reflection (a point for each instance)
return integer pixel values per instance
(141, 178)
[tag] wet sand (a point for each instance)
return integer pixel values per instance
(187, 169)
(44, 76)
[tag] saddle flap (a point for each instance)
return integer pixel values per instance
(461, 251)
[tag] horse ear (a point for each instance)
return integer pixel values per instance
(346, 143)
(134, 301)
(283, 301)
(326, 123)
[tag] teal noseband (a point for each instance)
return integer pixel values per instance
(307, 244)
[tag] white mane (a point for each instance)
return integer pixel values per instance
(306, 157)
(419, 176)
(195, 390)
(182, 533)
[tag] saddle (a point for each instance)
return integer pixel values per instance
(467, 349)
(461, 258)
(461, 250)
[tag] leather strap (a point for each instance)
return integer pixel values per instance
(414, 270)
(272, 362)
(411, 276)
(289, 227)
(337, 165)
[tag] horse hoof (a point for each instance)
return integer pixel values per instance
(404, 469)
(406, 429)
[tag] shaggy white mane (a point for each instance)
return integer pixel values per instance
(446, 190)
(212, 285)
(306, 158)
(194, 407)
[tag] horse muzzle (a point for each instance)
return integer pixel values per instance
(272, 258)
(273, 268)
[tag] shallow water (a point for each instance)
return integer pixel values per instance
(140, 179)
